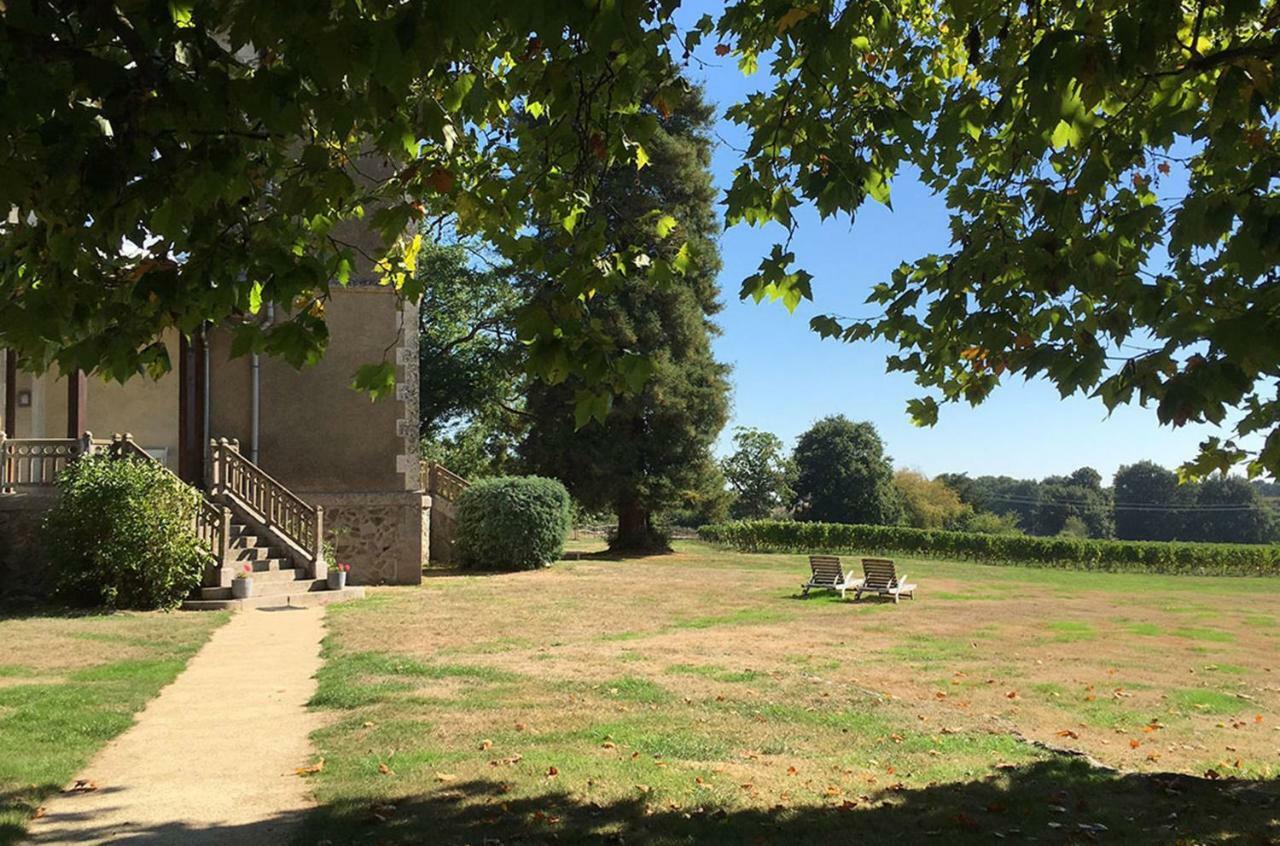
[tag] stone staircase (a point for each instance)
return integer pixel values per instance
(277, 580)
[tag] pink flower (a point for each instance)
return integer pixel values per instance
(344, 568)
(248, 568)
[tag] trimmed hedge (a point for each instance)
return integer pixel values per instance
(1203, 559)
(513, 522)
(121, 536)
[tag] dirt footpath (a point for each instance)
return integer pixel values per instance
(213, 758)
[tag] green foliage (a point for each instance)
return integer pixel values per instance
(1140, 491)
(468, 357)
(929, 503)
(843, 475)
(653, 449)
(986, 523)
(1078, 499)
(1229, 508)
(1074, 527)
(1063, 552)
(758, 472)
(1108, 168)
(120, 535)
(513, 522)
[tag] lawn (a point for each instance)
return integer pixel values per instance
(68, 684)
(692, 698)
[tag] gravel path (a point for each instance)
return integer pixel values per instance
(213, 758)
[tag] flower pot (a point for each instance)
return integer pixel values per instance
(337, 579)
(242, 588)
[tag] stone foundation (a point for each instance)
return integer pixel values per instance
(385, 537)
(24, 569)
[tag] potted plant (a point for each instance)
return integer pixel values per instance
(242, 584)
(338, 576)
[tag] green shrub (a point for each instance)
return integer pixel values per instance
(986, 523)
(513, 522)
(1213, 559)
(121, 535)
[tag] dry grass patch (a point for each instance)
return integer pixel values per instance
(692, 697)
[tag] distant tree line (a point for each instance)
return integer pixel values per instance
(839, 473)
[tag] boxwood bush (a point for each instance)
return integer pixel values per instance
(121, 535)
(512, 522)
(1211, 559)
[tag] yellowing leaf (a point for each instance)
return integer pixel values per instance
(793, 17)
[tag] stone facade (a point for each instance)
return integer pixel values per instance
(383, 536)
(23, 567)
(309, 429)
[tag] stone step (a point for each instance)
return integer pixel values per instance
(299, 599)
(254, 553)
(271, 584)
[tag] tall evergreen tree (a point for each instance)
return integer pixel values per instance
(653, 450)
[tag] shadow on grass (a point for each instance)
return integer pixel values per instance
(33, 610)
(1057, 801)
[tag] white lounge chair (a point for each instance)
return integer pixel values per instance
(828, 575)
(881, 577)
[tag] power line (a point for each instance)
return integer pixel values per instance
(1225, 508)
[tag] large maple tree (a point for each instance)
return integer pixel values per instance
(1109, 166)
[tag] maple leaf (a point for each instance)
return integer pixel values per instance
(440, 180)
(722, 49)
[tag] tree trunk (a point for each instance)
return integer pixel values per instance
(635, 531)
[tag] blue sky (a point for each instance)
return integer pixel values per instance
(785, 377)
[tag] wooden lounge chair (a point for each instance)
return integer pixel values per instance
(828, 575)
(881, 577)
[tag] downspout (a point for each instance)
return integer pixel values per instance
(255, 398)
(208, 394)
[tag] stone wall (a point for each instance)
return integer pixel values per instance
(444, 528)
(23, 567)
(385, 537)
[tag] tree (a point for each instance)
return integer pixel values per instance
(1107, 167)
(1079, 499)
(470, 378)
(1001, 495)
(1149, 502)
(843, 475)
(466, 341)
(1229, 510)
(929, 503)
(653, 450)
(758, 473)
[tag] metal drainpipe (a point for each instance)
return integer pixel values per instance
(208, 394)
(255, 399)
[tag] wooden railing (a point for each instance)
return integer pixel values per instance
(265, 499)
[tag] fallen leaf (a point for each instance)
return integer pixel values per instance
(1134, 743)
(792, 771)
(311, 770)
(486, 745)
(1068, 733)
(385, 770)
(552, 772)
